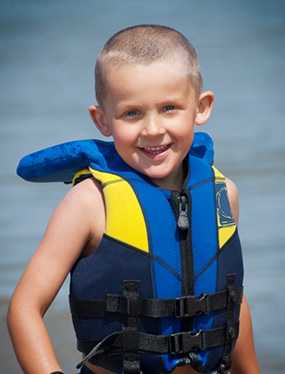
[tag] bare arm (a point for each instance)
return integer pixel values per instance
(68, 231)
(244, 359)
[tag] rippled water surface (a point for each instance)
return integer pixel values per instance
(47, 54)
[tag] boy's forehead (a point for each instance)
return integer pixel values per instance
(154, 83)
(127, 77)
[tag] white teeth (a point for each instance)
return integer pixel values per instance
(156, 148)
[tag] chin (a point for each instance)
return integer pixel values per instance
(157, 177)
(157, 174)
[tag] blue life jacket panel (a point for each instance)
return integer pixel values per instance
(164, 287)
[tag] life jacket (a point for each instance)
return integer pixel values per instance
(164, 287)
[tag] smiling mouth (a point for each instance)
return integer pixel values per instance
(155, 150)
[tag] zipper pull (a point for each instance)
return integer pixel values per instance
(183, 221)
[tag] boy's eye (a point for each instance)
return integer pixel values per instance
(131, 113)
(168, 108)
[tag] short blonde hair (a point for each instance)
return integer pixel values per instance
(144, 44)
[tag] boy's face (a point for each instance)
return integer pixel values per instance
(151, 110)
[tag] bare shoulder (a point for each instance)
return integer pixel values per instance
(68, 231)
(73, 223)
(89, 198)
(84, 207)
(233, 198)
(86, 194)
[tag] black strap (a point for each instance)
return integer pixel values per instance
(130, 338)
(174, 344)
(181, 307)
(178, 343)
(231, 334)
(129, 342)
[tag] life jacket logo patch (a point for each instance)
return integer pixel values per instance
(223, 207)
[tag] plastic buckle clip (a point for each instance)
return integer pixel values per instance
(197, 340)
(188, 306)
(181, 343)
(184, 306)
(175, 344)
(204, 304)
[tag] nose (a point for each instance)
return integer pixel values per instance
(153, 126)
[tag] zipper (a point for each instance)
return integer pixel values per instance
(181, 205)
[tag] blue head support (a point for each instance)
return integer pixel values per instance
(59, 163)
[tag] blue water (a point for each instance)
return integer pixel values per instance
(47, 54)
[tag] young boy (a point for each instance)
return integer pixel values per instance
(147, 234)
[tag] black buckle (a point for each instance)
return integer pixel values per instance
(175, 344)
(188, 306)
(196, 341)
(181, 343)
(183, 305)
(204, 304)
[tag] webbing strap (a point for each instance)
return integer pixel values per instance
(181, 307)
(230, 332)
(174, 344)
(130, 338)
(178, 343)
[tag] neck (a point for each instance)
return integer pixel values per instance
(175, 181)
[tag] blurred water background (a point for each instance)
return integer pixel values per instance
(47, 54)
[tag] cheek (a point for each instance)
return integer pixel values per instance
(184, 125)
(185, 133)
(124, 135)
(184, 137)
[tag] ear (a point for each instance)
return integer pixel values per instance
(99, 118)
(204, 107)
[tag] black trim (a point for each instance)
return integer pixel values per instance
(81, 178)
(217, 227)
(166, 266)
(189, 268)
(185, 241)
(148, 254)
(139, 250)
(105, 184)
(215, 257)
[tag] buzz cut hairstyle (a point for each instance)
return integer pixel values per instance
(145, 44)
